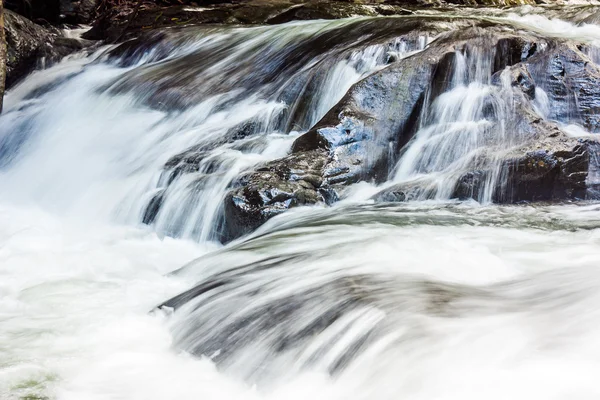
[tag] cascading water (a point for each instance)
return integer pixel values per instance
(144, 110)
(465, 125)
(113, 169)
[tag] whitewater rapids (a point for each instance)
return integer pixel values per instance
(74, 304)
(467, 300)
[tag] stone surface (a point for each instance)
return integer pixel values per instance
(380, 113)
(357, 140)
(572, 82)
(29, 43)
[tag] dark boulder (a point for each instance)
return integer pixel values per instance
(469, 185)
(554, 167)
(273, 189)
(28, 44)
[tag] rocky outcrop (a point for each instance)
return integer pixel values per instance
(551, 167)
(572, 82)
(546, 164)
(550, 164)
(557, 171)
(275, 188)
(360, 138)
(128, 17)
(349, 144)
(29, 44)
(357, 140)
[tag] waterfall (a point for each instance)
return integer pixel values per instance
(464, 125)
(138, 134)
(114, 167)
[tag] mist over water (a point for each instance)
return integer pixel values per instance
(427, 299)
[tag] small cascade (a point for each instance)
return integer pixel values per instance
(462, 131)
(107, 152)
(156, 130)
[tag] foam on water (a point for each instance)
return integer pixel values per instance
(521, 322)
(131, 165)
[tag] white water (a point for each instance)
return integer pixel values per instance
(457, 133)
(78, 274)
(118, 166)
(74, 304)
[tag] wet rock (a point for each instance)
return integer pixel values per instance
(572, 82)
(520, 78)
(322, 10)
(187, 80)
(131, 20)
(510, 51)
(470, 185)
(351, 143)
(360, 138)
(273, 189)
(128, 18)
(398, 193)
(552, 168)
(30, 44)
(153, 208)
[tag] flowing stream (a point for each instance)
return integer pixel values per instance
(113, 169)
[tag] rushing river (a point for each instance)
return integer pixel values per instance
(500, 301)
(431, 299)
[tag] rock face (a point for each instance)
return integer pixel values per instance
(362, 137)
(572, 82)
(547, 164)
(29, 43)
